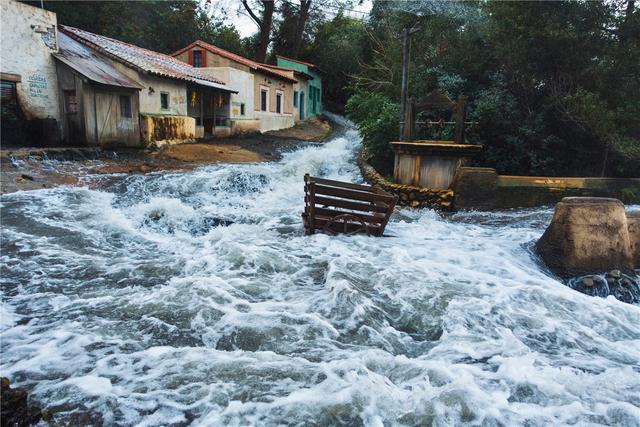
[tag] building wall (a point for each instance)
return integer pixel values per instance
(153, 87)
(273, 85)
(302, 89)
(239, 80)
(212, 60)
(315, 93)
(26, 51)
(314, 86)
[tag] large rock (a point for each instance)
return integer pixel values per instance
(633, 224)
(587, 235)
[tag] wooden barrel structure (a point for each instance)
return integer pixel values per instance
(342, 207)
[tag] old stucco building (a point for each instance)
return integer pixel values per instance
(30, 105)
(265, 93)
(310, 101)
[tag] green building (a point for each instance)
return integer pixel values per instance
(309, 101)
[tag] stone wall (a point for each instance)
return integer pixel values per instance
(483, 188)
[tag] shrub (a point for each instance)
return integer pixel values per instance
(376, 117)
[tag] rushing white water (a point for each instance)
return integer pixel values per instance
(142, 304)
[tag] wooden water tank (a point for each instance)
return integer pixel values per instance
(429, 164)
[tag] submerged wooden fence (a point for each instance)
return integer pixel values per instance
(342, 207)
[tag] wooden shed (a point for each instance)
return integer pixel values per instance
(100, 105)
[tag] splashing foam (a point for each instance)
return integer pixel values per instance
(124, 306)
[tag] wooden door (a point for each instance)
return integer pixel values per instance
(106, 117)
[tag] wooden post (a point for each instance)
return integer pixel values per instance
(409, 120)
(404, 90)
(460, 118)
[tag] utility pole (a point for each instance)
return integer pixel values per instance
(404, 91)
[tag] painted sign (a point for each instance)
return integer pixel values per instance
(37, 86)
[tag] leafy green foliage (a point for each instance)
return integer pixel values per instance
(554, 85)
(376, 117)
(163, 26)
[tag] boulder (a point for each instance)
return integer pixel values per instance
(633, 224)
(587, 235)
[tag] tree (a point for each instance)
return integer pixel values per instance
(163, 26)
(264, 25)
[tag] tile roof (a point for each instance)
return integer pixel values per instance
(144, 60)
(237, 58)
(88, 63)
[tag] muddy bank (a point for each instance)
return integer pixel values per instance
(30, 169)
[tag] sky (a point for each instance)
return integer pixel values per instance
(238, 17)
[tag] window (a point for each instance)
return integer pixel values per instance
(125, 106)
(9, 104)
(264, 93)
(197, 58)
(242, 109)
(295, 98)
(70, 101)
(164, 100)
(278, 103)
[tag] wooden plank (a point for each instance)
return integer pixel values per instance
(365, 217)
(388, 215)
(354, 206)
(321, 221)
(460, 117)
(351, 194)
(312, 206)
(341, 184)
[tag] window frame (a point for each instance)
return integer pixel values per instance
(242, 109)
(264, 90)
(68, 95)
(127, 112)
(295, 98)
(279, 102)
(168, 107)
(193, 58)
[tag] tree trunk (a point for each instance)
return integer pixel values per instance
(264, 25)
(265, 30)
(305, 5)
(629, 11)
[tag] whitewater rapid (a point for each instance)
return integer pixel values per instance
(195, 298)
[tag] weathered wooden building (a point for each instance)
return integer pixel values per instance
(265, 93)
(100, 104)
(175, 101)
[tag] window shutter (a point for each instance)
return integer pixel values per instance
(204, 58)
(190, 57)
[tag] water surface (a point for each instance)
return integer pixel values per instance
(195, 298)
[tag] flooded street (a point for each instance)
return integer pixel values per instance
(177, 298)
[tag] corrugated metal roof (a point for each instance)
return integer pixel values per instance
(237, 58)
(144, 60)
(86, 62)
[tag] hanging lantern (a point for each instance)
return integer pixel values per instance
(194, 99)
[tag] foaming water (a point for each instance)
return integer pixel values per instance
(195, 298)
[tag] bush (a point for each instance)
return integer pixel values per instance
(376, 117)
